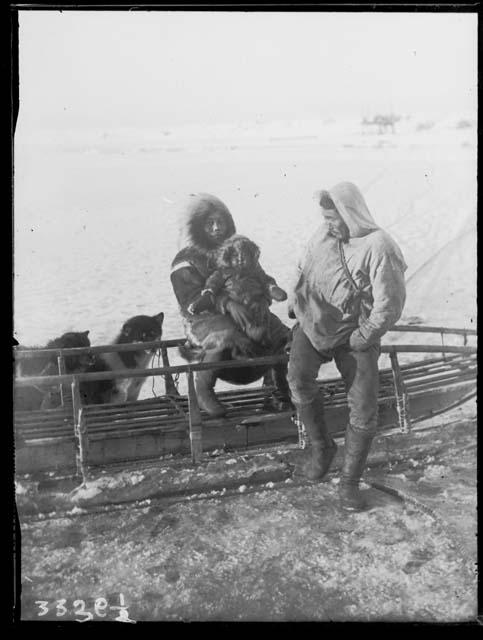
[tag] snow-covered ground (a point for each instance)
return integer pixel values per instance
(275, 551)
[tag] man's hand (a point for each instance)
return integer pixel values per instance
(239, 314)
(288, 346)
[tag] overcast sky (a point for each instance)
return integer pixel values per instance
(128, 69)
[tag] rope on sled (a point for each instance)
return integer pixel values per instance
(171, 381)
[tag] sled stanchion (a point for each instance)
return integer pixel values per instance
(400, 391)
(80, 431)
(194, 421)
(83, 446)
(442, 345)
(62, 387)
(169, 384)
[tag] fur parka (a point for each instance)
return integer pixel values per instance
(193, 263)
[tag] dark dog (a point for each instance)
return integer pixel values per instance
(239, 275)
(137, 329)
(30, 398)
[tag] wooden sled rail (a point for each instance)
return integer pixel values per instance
(225, 364)
(428, 329)
(27, 354)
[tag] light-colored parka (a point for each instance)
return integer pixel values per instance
(330, 310)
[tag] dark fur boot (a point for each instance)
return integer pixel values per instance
(357, 447)
(322, 447)
(204, 383)
(281, 387)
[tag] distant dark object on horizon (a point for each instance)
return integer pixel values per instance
(425, 126)
(384, 123)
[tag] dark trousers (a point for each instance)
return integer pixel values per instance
(358, 369)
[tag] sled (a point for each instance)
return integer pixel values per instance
(73, 439)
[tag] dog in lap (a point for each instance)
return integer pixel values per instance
(239, 275)
(139, 329)
(31, 398)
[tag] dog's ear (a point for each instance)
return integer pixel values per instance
(85, 333)
(160, 318)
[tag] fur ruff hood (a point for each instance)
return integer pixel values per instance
(194, 214)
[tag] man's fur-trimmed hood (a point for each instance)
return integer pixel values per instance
(194, 214)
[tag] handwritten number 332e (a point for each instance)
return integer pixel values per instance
(100, 606)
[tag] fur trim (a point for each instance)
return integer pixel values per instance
(199, 206)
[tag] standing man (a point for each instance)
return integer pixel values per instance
(350, 290)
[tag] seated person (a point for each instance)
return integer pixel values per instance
(239, 274)
(219, 331)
